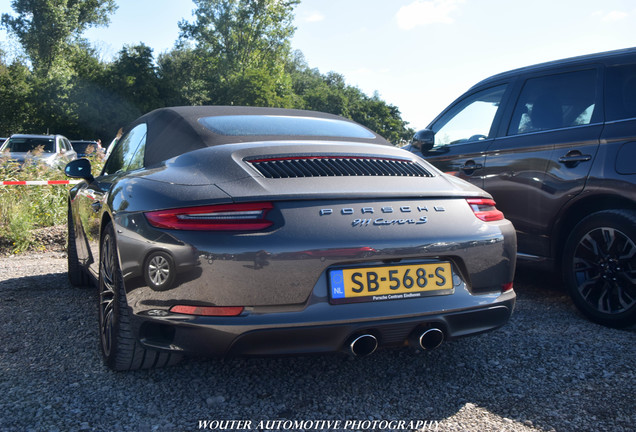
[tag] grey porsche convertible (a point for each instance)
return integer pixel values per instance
(234, 231)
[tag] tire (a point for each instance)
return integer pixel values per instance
(77, 275)
(119, 343)
(599, 267)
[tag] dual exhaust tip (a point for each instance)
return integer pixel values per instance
(363, 345)
(428, 339)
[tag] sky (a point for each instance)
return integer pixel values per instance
(418, 55)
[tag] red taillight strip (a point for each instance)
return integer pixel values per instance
(208, 310)
(224, 217)
(485, 209)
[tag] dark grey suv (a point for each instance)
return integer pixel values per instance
(555, 144)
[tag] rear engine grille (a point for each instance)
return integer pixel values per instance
(336, 166)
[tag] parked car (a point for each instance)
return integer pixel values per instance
(226, 231)
(87, 147)
(555, 144)
(53, 150)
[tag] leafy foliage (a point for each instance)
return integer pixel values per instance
(25, 208)
(45, 28)
(244, 46)
(234, 52)
(330, 93)
(15, 90)
(133, 76)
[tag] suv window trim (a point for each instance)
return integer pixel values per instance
(553, 130)
(610, 122)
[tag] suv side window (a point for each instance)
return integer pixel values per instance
(469, 120)
(124, 152)
(554, 102)
(620, 92)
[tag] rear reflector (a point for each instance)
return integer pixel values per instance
(485, 209)
(225, 217)
(208, 310)
(506, 287)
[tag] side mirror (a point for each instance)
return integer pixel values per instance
(423, 140)
(79, 168)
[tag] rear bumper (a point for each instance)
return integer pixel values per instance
(265, 334)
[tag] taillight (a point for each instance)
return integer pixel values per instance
(208, 310)
(485, 209)
(506, 287)
(224, 217)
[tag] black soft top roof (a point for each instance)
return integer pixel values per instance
(177, 130)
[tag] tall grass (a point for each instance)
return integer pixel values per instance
(26, 208)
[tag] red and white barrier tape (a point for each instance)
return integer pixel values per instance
(38, 182)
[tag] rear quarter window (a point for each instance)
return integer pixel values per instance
(128, 152)
(620, 92)
(555, 102)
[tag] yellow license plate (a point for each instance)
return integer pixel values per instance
(390, 282)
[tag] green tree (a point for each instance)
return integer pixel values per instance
(330, 93)
(15, 91)
(234, 52)
(46, 28)
(94, 102)
(382, 118)
(54, 109)
(134, 77)
(245, 45)
(182, 78)
(108, 96)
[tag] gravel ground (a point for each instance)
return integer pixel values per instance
(548, 369)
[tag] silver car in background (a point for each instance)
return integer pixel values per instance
(53, 150)
(225, 231)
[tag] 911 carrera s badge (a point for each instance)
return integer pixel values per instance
(387, 222)
(385, 210)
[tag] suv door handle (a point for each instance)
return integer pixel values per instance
(470, 166)
(579, 158)
(573, 158)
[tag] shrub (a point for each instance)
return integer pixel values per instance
(26, 208)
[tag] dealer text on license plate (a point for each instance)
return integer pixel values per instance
(390, 282)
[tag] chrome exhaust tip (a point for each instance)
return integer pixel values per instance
(430, 339)
(363, 345)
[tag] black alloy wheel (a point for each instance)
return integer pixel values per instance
(108, 307)
(119, 342)
(600, 267)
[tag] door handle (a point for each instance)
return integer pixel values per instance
(470, 166)
(579, 158)
(573, 158)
